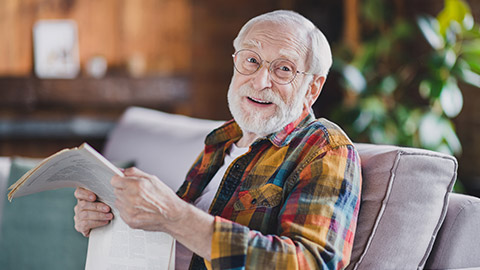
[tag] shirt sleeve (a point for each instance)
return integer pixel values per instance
(316, 223)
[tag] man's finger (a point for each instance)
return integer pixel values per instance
(84, 194)
(86, 226)
(133, 171)
(90, 206)
(94, 216)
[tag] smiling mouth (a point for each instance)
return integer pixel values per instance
(258, 101)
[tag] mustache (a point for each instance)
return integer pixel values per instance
(266, 94)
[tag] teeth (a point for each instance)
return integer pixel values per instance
(259, 101)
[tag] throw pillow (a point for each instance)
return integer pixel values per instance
(404, 201)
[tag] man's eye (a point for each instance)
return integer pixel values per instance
(252, 60)
(285, 68)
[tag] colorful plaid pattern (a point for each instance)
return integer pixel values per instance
(291, 202)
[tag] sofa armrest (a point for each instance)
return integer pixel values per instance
(458, 241)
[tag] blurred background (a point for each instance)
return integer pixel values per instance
(406, 72)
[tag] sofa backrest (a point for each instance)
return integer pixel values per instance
(159, 143)
(404, 191)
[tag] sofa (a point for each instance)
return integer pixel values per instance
(409, 218)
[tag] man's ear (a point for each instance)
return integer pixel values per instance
(314, 90)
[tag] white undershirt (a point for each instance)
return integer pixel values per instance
(182, 254)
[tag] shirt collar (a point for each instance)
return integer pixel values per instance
(285, 135)
(230, 131)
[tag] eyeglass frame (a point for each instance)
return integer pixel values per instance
(269, 67)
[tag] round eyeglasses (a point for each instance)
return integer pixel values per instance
(282, 71)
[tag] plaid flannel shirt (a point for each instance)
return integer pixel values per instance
(290, 202)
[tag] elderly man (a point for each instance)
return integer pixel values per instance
(273, 188)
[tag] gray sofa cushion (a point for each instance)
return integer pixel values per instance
(463, 218)
(404, 201)
(37, 230)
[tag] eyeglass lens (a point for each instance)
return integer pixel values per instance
(247, 62)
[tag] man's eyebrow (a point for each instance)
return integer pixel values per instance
(288, 54)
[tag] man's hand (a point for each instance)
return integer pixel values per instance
(145, 202)
(90, 214)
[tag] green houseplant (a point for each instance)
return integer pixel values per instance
(402, 85)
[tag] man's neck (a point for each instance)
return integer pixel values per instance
(247, 139)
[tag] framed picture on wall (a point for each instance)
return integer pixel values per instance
(56, 49)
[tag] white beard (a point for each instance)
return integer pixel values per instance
(256, 122)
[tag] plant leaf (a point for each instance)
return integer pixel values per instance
(471, 47)
(473, 62)
(454, 11)
(363, 120)
(388, 85)
(470, 77)
(430, 131)
(451, 137)
(451, 98)
(450, 58)
(425, 88)
(472, 33)
(431, 31)
(354, 78)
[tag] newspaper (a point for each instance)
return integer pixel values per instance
(115, 246)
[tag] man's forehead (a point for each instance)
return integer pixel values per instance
(282, 52)
(287, 42)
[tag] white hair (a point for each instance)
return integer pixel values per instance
(319, 55)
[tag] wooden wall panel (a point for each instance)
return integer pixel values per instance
(16, 37)
(158, 32)
(152, 32)
(98, 29)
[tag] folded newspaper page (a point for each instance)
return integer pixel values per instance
(77, 167)
(115, 246)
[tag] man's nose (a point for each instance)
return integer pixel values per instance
(262, 78)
